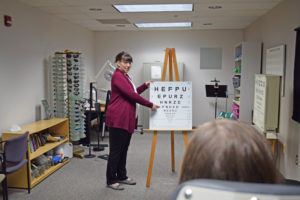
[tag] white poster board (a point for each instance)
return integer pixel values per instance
(259, 102)
(175, 101)
(275, 63)
(266, 102)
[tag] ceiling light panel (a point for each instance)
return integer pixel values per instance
(164, 25)
(154, 8)
(113, 21)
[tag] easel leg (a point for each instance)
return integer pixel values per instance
(185, 138)
(151, 158)
(172, 151)
(273, 142)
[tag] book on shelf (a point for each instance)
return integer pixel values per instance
(30, 146)
(33, 143)
(36, 140)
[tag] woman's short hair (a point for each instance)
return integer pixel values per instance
(228, 150)
(123, 56)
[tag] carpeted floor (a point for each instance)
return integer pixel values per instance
(84, 179)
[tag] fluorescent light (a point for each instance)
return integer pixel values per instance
(154, 7)
(215, 7)
(165, 25)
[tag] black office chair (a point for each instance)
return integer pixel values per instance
(104, 114)
(13, 159)
(103, 117)
(210, 189)
(98, 147)
(101, 123)
(2, 177)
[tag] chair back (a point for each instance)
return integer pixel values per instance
(98, 111)
(97, 107)
(210, 189)
(107, 99)
(16, 148)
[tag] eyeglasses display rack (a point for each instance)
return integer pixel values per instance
(68, 74)
(59, 78)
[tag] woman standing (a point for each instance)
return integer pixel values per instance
(121, 120)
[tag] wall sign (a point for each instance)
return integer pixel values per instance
(155, 72)
(175, 101)
(210, 58)
(7, 20)
(275, 63)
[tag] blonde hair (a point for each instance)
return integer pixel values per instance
(228, 150)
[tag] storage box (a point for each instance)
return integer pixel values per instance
(236, 81)
(68, 149)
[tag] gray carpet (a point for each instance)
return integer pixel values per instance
(84, 179)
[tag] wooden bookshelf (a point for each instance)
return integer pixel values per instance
(47, 172)
(56, 127)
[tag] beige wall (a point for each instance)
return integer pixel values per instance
(25, 50)
(149, 46)
(275, 28)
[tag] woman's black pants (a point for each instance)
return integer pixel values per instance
(119, 140)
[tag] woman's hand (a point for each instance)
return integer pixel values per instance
(154, 107)
(148, 83)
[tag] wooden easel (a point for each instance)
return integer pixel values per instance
(170, 53)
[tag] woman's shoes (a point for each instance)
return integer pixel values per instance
(128, 181)
(116, 186)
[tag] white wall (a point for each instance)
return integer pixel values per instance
(275, 28)
(25, 50)
(149, 46)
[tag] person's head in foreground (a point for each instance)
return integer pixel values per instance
(228, 150)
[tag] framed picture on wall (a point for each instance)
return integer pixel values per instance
(275, 63)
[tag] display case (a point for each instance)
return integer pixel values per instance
(68, 78)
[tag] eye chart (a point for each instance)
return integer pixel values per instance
(175, 101)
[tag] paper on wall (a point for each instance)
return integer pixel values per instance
(155, 72)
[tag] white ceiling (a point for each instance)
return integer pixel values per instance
(235, 14)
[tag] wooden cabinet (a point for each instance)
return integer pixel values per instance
(55, 126)
(247, 64)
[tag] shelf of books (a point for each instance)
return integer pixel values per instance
(44, 136)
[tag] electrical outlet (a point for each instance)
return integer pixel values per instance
(297, 159)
